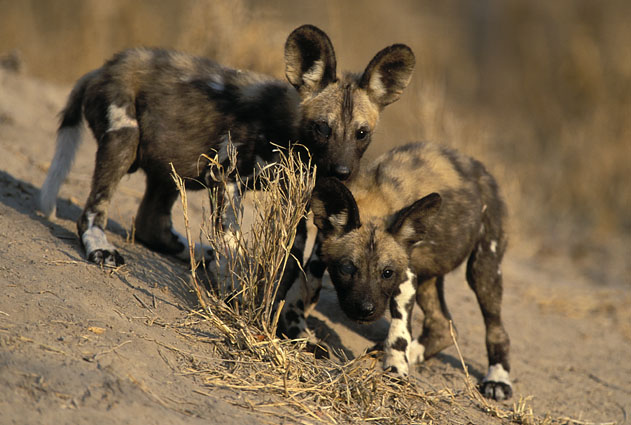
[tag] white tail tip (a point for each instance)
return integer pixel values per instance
(68, 140)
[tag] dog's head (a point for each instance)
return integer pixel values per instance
(367, 261)
(339, 115)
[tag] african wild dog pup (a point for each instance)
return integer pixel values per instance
(148, 108)
(412, 216)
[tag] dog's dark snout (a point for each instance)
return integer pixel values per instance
(366, 308)
(342, 172)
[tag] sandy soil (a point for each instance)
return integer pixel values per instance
(81, 345)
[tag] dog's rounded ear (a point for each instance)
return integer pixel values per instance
(388, 74)
(310, 63)
(334, 209)
(410, 224)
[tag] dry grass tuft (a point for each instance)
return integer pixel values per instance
(279, 377)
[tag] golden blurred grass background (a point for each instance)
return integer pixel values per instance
(538, 90)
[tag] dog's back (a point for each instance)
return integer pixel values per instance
(470, 207)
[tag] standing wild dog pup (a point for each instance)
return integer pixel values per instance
(148, 108)
(414, 215)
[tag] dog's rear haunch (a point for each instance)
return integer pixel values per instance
(148, 108)
(414, 215)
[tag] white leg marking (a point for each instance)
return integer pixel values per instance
(399, 329)
(297, 292)
(231, 213)
(497, 373)
(94, 238)
(68, 140)
(496, 384)
(118, 118)
(493, 246)
(417, 352)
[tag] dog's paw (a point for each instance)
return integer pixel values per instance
(312, 344)
(395, 366)
(396, 373)
(496, 385)
(496, 390)
(106, 257)
(319, 349)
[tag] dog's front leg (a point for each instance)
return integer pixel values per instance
(227, 242)
(302, 297)
(397, 345)
(230, 216)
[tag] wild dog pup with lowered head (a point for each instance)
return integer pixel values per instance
(412, 216)
(149, 108)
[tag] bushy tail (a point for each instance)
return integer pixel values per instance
(68, 141)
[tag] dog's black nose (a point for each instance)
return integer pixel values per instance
(342, 172)
(366, 308)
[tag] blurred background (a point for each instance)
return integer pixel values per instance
(540, 91)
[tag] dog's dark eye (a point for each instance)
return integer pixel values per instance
(361, 134)
(323, 129)
(348, 267)
(387, 273)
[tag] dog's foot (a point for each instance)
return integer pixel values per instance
(396, 372)
(98, 249)
(496, 385)
(377, 349)
(496, 390)
(106, 257)
(396, 364)
(320, 349)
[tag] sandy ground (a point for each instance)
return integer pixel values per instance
(80, 345)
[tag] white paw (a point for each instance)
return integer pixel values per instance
(417, 352)
(496, 385)
(395, 362)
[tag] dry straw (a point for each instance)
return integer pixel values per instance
(281, 378)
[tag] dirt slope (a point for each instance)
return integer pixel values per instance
(80, 345)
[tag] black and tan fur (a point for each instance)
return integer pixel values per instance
(148, 108)
(412, 216)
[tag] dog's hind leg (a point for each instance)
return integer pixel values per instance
(115, 154)
(485, 278)
(435, 335)
(153, 223)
